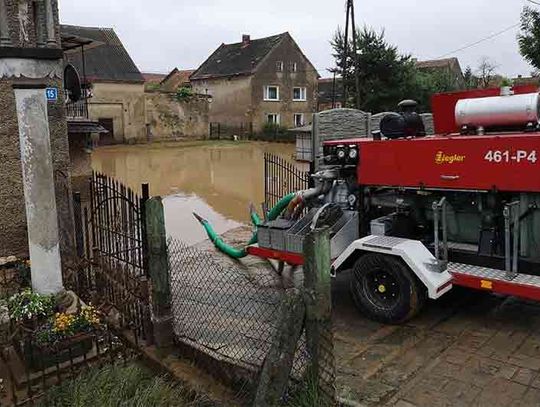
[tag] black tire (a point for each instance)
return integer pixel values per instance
(385, 290)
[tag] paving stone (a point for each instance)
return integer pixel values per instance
(525, 361)
(524, 376)
(500, 393)
(403, 403)
(531, 398)
(459, 392)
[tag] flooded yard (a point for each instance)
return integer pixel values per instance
(218, 180)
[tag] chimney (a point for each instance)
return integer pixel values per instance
(246, 39)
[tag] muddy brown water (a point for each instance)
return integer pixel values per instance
(218, 180)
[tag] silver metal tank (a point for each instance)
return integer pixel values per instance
(499, 110)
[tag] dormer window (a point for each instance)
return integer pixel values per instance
(279, 66)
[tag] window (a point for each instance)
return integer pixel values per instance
(279, 66)
(299, 120)
(272, 118)
(299, 94)
(271, 93)
(294, 67)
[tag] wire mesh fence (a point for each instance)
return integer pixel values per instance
(224, 310)
(234, 314)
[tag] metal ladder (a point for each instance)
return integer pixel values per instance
(511, 237)
(439, 216)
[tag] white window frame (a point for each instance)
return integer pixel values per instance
(267, 93)
(277, 119)
(303, 94)
(279, 66)
(294, 67)
(302, 119)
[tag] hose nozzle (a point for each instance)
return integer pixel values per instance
(199, 218)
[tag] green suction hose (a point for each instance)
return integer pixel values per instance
(255, 219)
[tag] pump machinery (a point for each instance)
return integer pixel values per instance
(414, 215)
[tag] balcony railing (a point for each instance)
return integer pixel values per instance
(77, 110)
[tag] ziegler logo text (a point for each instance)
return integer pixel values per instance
(442, 158)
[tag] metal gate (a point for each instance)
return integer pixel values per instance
(281, 177)
(111, 241)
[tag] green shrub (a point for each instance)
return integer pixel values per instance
(184, 94)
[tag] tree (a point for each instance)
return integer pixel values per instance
(486, 73)
(385, 75)
(529, 36)
(471, 81)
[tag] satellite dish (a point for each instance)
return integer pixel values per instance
(72, 83)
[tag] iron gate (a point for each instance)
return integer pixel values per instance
(111, 241)
(281, 177)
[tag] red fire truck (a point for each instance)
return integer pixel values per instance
(414, 215)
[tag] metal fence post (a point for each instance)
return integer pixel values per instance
(158, 266)
(318, 301)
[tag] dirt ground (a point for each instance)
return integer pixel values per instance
(467, 349)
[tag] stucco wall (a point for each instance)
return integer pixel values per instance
(125, 104)
(231, 99)
(13, 234)
(169, 119)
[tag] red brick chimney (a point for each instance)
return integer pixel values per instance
(246, 39)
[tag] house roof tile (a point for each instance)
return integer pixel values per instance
(237, 59)
(107, 62)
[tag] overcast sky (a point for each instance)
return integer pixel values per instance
(163, 34)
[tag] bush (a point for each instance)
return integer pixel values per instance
(275, 131)
(184, 94)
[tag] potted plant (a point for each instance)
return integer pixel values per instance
(29, 309)
(62, 337)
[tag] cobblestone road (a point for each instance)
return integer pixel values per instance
(468, 349)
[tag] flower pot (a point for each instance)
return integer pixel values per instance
(39, 357)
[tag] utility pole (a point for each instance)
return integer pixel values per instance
(346, 54)
(350, 21)
(334, 91)
(355, 51)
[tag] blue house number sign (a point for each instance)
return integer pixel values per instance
(52, 94)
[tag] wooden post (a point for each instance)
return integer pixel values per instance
(318, 301)
(279, 360)
(158, 266)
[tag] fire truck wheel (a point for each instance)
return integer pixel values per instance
(385, 289)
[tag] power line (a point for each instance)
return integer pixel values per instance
(480, 41)
(533, 2)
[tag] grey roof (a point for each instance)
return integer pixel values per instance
(237, 59)
(108, 61)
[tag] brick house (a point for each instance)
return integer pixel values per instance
(259, 81)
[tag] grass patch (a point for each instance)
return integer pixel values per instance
(119, 386)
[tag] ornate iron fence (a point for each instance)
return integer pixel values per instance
(111, 245)
(281, 177)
